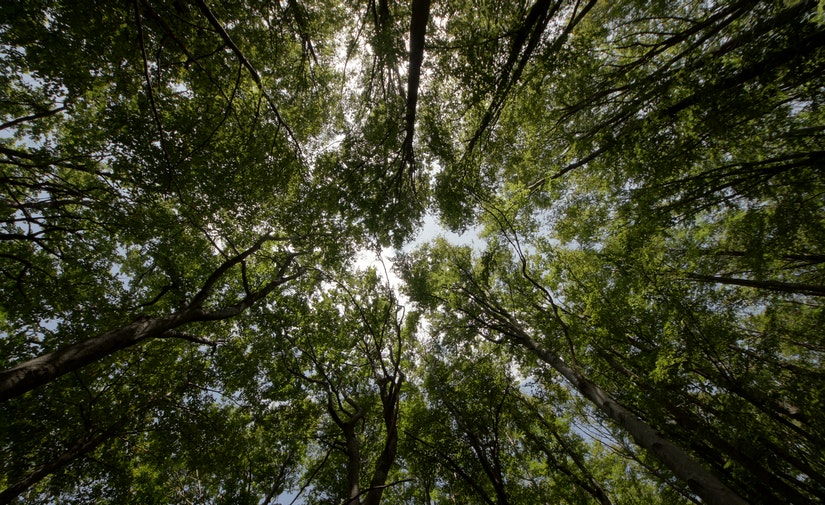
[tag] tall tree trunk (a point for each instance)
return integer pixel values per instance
(390, 399)
(418, 29)
(700, 480)
(353, 462)
(352, 446)
(38, 371)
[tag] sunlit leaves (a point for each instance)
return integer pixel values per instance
(646, 176)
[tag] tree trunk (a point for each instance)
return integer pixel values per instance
(700, 480)
(390, 402)
(418, 29)
(38, 371)
(353, 463)
(352, 447)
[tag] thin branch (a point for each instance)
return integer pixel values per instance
(38, 115)
(149, 87)
(373, 488)
(309, 480)
(190, 337)
(216, 24)
(506, 225)
(456, 468)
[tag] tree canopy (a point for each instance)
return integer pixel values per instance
(187, 188)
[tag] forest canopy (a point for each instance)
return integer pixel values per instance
(186, 188)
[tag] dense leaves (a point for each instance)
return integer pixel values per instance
(186, 189)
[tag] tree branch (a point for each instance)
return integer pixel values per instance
(38, 115)
(782, 287)
(216, 24)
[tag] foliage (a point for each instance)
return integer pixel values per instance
(185, 188)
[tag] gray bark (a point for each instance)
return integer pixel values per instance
(28, 375)
(700, 480)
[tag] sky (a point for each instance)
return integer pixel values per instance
(430, 229)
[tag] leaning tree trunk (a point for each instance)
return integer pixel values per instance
(700, 480)
(38, 371)
(782, 287)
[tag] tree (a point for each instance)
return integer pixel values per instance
(117, 212)
(353, 359)
(185, 188)
(643, 171)
(156, 175)
(481, 310)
